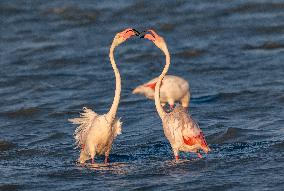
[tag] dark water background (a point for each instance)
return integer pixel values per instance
(54, 61)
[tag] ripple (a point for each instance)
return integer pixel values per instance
(264, 46)
(62, 174)
(167, 27)
(29, 152)
(279, 146)
(10, 10)
(281, 99)
(222, 96)
(10, 187)
(37, 49)
(24, 112)
(114, 168)
(5, 145)
(256, 7)
(190, 53)
(204, 99)
(53, 137)
(75, 14)
(231, 135)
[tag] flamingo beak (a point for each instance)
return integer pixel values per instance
(149, 36)
(137, 33)
(142, 34)
(129, 33)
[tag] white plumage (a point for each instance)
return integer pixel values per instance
(95, 133)
(180, 129)
(173, 89)
(183, 132)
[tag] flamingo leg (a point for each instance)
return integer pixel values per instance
(106, 159)
(199, 155)
(185, 100)
(176, 157)
(93, 160)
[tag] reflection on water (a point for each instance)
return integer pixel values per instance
(112, 168)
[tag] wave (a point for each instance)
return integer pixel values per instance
(233, 134)
(204, 99)
(167, 27)
(255, 7)
(23, 112)
(6, 145)
(10, 187)
(224, 96)
(190, 53)
(11, 10)
(278, 146)
(50, 138)
(264, 46)
(75, 14)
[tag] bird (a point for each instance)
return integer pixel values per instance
(181, 130)
(173, 89)
(95, 133)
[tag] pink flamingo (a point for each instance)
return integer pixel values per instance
(180, 129)
(96, 133)
(173, 89)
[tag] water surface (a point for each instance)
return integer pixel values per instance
(54, 61)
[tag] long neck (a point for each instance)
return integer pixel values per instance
(112, 112)
(157, 87)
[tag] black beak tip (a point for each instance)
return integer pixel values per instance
(136, 32)
(142, 34)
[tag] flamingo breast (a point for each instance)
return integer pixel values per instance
(180, 129)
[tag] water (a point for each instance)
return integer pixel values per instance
(54, 61)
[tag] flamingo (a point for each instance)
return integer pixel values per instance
(180, 129)
(95, 132)
(173, 89)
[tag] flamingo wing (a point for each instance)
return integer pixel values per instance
(152, 85)
(193, 135)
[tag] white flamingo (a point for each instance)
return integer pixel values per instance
(180, 129)
(173, 89)
(95, 133)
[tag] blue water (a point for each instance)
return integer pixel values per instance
(54, 61)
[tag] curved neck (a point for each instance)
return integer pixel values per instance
(112, 112)
(157, 87)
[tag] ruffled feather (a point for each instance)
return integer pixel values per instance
(85, 122)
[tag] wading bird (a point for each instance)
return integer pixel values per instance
(180, 129)
(95, 133)
(173, 89)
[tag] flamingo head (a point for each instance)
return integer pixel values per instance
(124, 35)
(156, 39)
(146, 91)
